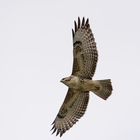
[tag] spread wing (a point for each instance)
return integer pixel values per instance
(72, 109)
(84, 51)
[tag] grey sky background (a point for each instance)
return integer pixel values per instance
(36, 52)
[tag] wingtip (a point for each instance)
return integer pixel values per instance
(53, 122)
(72, 33)
(58, 131)
(83, 21)
(61, 134)
(75, 25)
(87, 22)
(79, 22)
(53, 130)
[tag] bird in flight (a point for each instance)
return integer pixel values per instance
(80, 83)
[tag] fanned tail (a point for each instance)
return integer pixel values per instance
(104, 88)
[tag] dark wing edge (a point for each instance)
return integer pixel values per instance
(83, 24)
(84, 65)
(70, 113)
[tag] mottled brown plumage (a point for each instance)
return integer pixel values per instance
(80, 82)
(71, 111)
(85, 52)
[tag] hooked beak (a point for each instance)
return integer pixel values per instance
(62, 80)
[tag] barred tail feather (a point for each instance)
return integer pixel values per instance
(104, 88)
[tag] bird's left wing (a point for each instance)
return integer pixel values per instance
(72, 109)
(85, 53)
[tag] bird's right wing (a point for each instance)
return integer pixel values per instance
(72, 109)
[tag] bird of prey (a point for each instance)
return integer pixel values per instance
(80, 82)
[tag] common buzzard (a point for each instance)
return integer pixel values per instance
(80, 82)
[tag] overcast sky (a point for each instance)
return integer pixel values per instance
(36, 52)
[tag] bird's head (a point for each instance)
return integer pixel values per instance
(70, 81)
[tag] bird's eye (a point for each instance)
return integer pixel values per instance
(63, 79)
